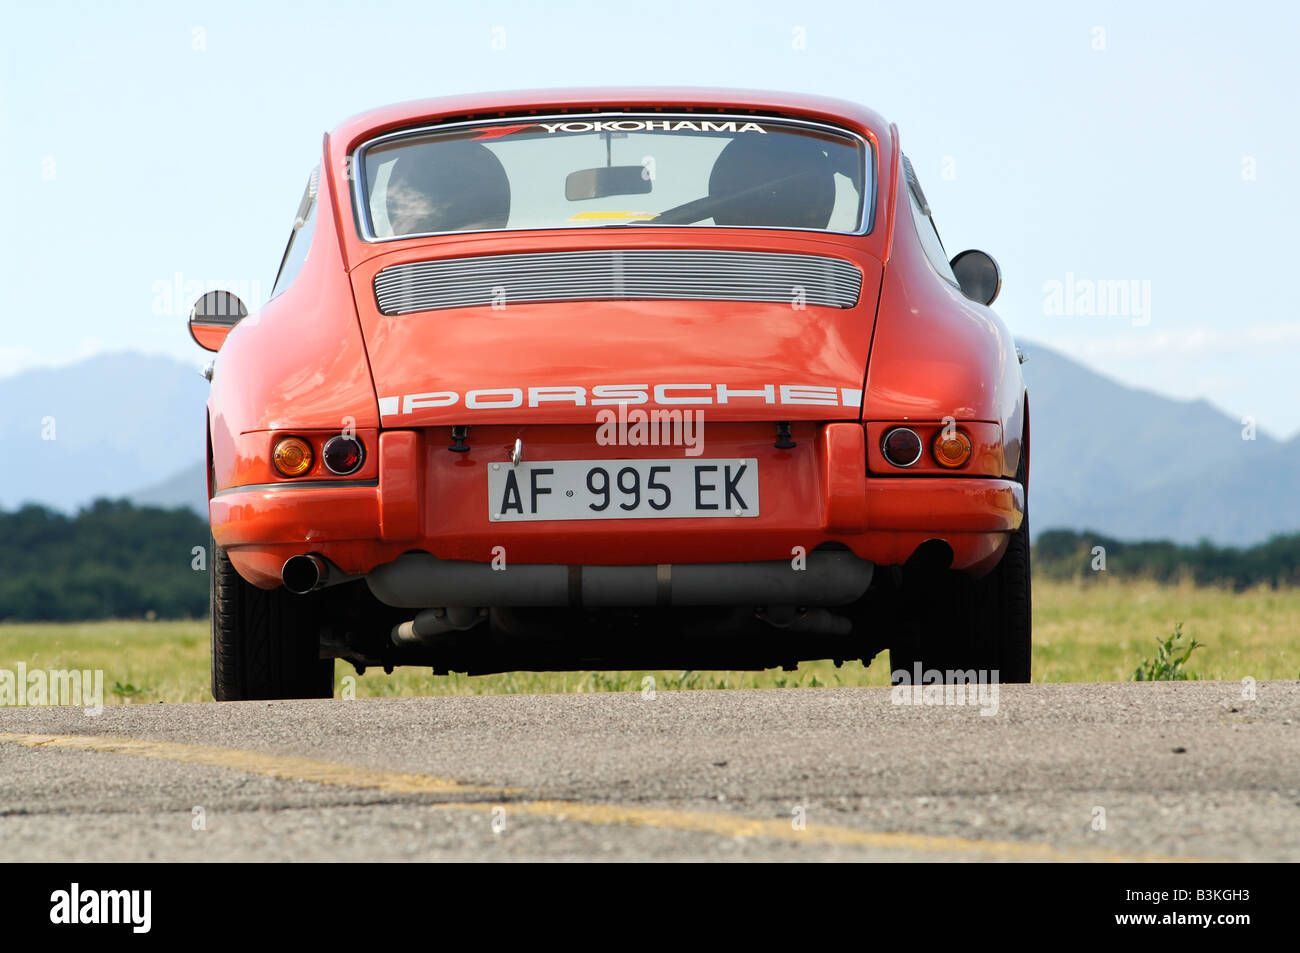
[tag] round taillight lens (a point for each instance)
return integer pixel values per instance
(901, 446)
(292, 456)
(951, 448)
(343, 455)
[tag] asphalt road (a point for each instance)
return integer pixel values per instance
(1180, 770)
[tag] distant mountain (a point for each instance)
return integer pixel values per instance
(1135, 465)
(1114, 459)
(187, 488)
(103, 427)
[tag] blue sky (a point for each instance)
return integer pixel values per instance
(1153, 144)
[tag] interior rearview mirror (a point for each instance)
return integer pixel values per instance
(212, 317)
(605, 181)
(978, 275)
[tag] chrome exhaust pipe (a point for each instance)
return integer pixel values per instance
(309, 571)
(303, 573)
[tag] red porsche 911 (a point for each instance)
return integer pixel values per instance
(627, 378)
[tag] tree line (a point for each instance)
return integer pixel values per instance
(1066, 554)
(111, 560)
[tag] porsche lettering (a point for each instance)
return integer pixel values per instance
(496, 398)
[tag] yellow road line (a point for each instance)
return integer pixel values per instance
(289, 768)
(736, 825)
(285, 767)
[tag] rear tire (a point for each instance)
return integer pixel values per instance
(964, 624)
(265, 643)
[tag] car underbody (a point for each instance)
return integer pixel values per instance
(837, 607)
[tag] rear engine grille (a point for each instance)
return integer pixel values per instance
(617, 274)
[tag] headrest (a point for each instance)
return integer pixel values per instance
(447, 187)
(750, 160)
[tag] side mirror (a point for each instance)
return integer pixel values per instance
(212, 317)
(978, 275)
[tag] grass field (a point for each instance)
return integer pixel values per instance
(1094, 632)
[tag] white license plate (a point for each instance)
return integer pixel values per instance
(623, 489)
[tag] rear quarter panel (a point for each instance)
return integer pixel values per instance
(935, 352)
(297, 364)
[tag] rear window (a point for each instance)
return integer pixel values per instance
(614, 170)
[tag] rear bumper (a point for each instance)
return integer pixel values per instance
(426, 499)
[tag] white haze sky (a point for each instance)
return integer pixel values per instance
(146, 141)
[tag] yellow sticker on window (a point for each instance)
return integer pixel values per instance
(586, 216)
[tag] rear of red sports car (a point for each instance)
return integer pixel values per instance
(638, 379)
